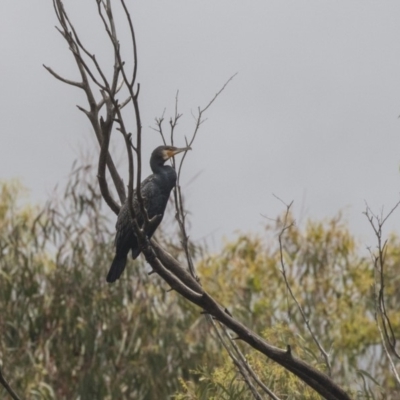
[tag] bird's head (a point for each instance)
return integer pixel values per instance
(166, 152)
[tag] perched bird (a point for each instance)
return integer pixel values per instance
(155, 190)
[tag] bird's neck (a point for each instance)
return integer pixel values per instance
(166, 173)
(164, 170)
(159, 168)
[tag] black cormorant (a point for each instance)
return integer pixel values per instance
(155, 190)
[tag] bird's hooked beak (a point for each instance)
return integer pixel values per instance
(174, 151)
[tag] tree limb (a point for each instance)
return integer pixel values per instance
(6, 386)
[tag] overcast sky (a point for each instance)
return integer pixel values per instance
(312, 115)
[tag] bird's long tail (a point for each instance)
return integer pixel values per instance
(135, 252)
(116, 269)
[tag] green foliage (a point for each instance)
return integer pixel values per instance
(224, 382)
(333, 284)
(66, 334)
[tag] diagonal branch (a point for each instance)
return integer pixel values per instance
(319, 381)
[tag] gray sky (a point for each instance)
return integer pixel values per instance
(312, 115)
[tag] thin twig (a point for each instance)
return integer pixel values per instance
(286, 226)
(199, 120)
(239, 365)
(60, 78)
(244, 362)
(239, 359)
(377, 222)
(392, 365)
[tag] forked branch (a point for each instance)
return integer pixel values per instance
(102, 128)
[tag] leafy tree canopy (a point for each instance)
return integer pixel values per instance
(66, 334)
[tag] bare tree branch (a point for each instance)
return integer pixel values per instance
(106, 127)
(319, 381)
(7, 386)
(134, 46)
(199, 119)
(239, 365)
(67, 81)
(383, 322)
(243, 362)
(75, 44)
(384, 341)
(286, 226)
